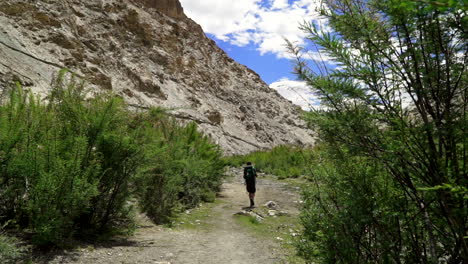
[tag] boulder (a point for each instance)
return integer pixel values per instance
(272, 205)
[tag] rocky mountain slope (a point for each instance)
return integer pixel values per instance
(151, 54)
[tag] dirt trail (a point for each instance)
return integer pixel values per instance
(223, 241)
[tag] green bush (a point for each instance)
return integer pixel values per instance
(282, 161)
(10, 250)
(395, 114)
(65, 164)
(74, 164)
(184, 167)
(347, 212)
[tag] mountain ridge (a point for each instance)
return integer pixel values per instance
(151, 54)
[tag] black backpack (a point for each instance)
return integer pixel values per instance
(250, 174)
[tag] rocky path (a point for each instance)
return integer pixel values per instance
(219, 239)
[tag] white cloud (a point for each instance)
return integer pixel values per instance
(279, 4)
(297, 92)
(264, 23)
(222, 18)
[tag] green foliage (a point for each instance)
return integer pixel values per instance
(248, 220)
(10, 250)
(65, 164)
(282, 228)
(353, 208)
(183, 167)
(73, 165)
(282, 161)
(195, 218)
(394, 117)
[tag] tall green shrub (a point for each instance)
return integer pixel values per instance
(74, 163)
(355, 213)
(183, 167)
(66, 164)
(396, 106)
(283, 161)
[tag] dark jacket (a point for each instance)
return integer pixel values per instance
(250, 181)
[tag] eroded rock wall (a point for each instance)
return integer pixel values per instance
(172, 8)
(152, 55)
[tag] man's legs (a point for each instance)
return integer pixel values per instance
(252, 196)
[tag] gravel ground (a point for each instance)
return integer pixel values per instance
(223, 241)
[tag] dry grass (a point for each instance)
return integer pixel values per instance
(46, 20)
(27, 9)
(16, 9)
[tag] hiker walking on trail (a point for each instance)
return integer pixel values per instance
(250, 175)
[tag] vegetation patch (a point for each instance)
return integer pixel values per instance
(11, 250)
(283, 229)
(77, 167)
(27, 9)
(63, 41)
(196, 218)
(389, 184)
(16, 9)
(282, 161)
(46, 20)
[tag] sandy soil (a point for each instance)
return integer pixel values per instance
(224, 241)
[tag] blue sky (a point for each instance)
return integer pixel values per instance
(252, 32)
(268, 66)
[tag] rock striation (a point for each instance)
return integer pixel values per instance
(151, 54)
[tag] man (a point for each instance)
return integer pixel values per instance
(250, 176)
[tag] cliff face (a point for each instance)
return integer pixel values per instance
(171, 8)
(151, 54)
